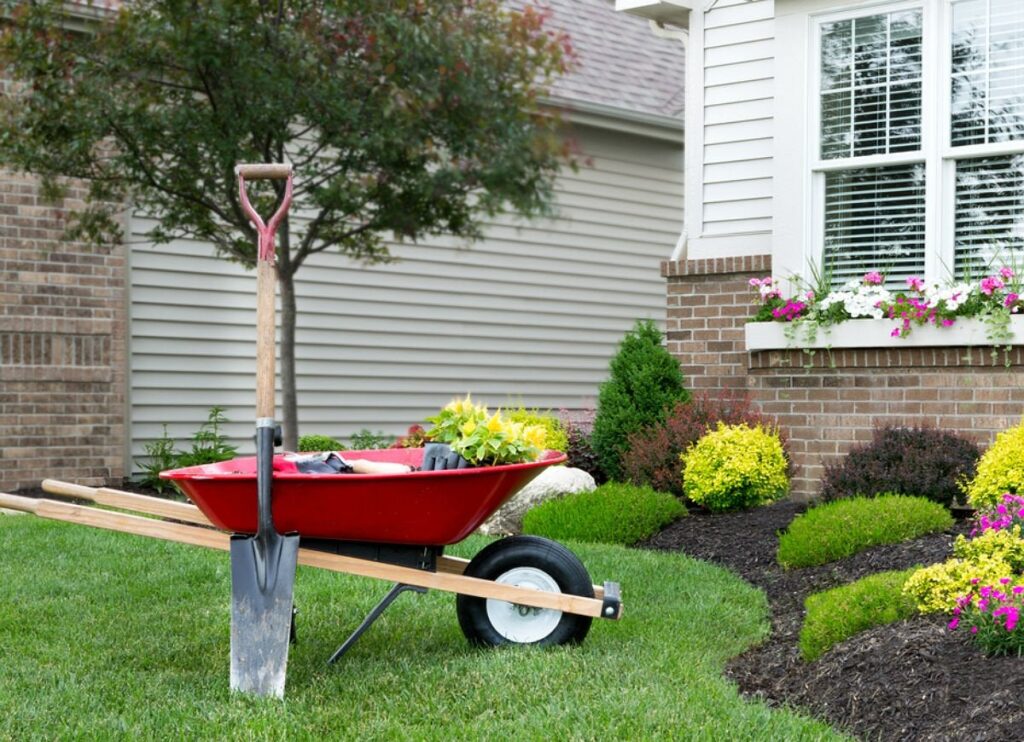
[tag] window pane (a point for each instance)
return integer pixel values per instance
(988, 71)
(871, 85)
(874, 220)
(989, 213)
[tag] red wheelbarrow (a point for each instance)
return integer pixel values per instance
(517, 590)
(393, 526)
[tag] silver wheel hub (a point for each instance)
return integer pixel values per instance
(522, 624)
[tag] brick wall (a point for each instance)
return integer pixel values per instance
(62, 345)
(830, 400)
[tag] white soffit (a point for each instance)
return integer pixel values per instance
(670, 12)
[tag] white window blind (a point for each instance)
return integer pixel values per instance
(874, 220)
(987, 108)
(989, 213)
(871, 85)
(987, 71)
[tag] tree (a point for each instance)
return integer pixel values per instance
(644, 383)
(408, 119)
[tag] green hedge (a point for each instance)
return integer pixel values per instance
(842, 528)
(614, 513)
(839, 613)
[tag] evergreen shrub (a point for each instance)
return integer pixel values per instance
(735, 466)
(614, 513)
(315, 442)
(837, 614)
(645, 381)
(1000, 470)
(840, 529)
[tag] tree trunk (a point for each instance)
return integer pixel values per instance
(289, 399)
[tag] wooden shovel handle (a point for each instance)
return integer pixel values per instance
(266, 355)
(264, 171)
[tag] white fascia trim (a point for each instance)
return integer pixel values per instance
(601, 116)
(666, 12)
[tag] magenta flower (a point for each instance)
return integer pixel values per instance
(1011, 299)
(990, 284)
(948, 322)
(916, 283)
(873, 277)
(953, 624)
(1006, 273)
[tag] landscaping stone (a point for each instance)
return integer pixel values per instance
(555, 481)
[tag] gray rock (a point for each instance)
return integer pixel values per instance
(553, 482)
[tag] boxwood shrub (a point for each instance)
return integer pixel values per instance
(840, 529)
(839, 613)
(735, 466)
(1000, 470)
(614, 513)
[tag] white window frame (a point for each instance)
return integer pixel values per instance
(937, 153)
(819, 168)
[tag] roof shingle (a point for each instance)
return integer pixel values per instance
(621, 63)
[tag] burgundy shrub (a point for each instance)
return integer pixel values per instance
(653, 454)
(909, 461)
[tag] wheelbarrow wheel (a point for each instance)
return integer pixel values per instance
(527, 561)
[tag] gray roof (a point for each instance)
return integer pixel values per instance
(621, 63)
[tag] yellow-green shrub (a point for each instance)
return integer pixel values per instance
(936, 588)
(556, 439)
(735, 466)
(1007, 546)
(1000, 470)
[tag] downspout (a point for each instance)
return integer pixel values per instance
(681, 35)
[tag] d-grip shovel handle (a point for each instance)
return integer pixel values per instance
(266, 280)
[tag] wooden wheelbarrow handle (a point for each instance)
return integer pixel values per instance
(195, 536)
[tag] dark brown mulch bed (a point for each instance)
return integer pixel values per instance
(913, 680)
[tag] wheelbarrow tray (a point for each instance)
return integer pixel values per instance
(434, 508)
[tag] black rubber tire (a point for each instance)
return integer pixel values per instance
(542, 554)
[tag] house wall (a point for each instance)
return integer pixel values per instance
(531, 314)
(62, 354)
(830, 401)
(730, 89)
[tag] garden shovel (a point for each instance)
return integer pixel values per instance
(263, 566)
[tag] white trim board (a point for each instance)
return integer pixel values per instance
(876, 333)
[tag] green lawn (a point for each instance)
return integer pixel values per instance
(107, 635)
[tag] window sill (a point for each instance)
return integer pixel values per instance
(875, 333)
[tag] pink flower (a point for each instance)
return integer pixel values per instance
(1006, 273)
(1018, 589)
(915, 283)
(895, 332)
(974, 629)
(754, 282)
(954, 623)
(873, 277)
(948, 322)
(990, 284)
(1011, 299)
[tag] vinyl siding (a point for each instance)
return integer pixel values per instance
(532, 314)
(738, 56)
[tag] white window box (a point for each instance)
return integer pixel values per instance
(875, 333)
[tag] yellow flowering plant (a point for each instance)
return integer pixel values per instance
(482, 438)
(448, 423)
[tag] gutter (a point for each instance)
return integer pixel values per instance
(623, 120)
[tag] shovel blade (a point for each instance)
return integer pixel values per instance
(262, 581)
